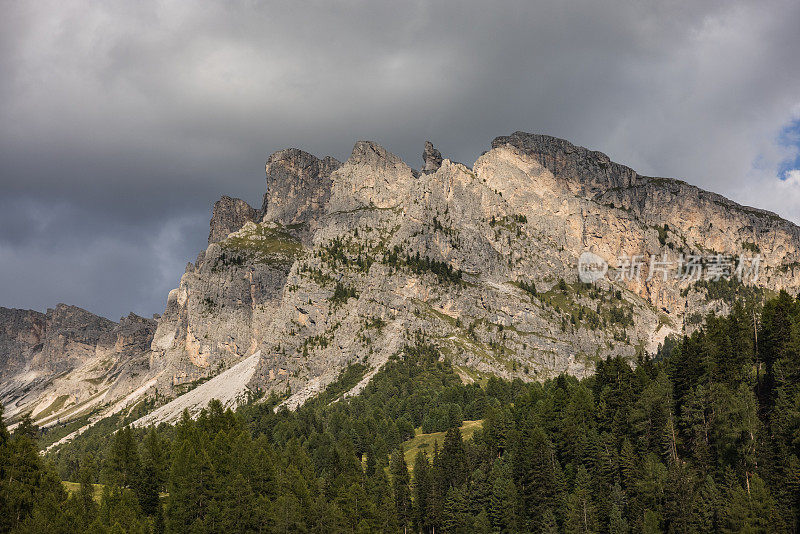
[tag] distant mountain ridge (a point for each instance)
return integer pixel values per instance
(68, 360)
(347, 262)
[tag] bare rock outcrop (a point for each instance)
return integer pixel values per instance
(72, 335)
(348, 262)
(229, 215)
(22, 334)
(431, 159)
(298, 186)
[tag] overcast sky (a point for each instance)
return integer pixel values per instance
(122, 122)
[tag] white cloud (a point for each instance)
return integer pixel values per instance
(792, 181)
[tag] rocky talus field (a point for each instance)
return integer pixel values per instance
(347, 262)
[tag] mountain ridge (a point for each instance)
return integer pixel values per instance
(345, 262)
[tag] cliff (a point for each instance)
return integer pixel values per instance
(370, 253)
(347, 262)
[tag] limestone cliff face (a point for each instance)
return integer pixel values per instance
(22, 335)
(72, 336)
(298, 187)
(228, 298)
(223, 304)
(625, 212)
(348, 262)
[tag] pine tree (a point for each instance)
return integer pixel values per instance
(535, 473)
(154, 452)
(381, 494)
(148, 488)
(456, 516)
(118, 507)
(617, 521)
(84, 503)
(651, 414)
(580, 508)
(617, 524)
(549, 525)
(422, 491)
(679, 496)
(651, 523)
(503, 500)
(190, 488)
(401, 489)
(705, 508)
(577, 427)
(482, 525)
(438, 491)
(125, 465)
(32, 498)
(453, 460)
(749, 507)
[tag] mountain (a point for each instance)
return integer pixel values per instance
(349, 262)
(68, 361)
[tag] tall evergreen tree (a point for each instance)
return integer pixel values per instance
(422, 492)
(401, 488)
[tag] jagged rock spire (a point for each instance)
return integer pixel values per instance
(432, 159)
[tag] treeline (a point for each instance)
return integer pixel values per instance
(423, 264)
(705, 437)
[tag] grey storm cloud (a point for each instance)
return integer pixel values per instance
(122, 122)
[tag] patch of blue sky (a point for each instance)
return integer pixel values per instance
(790, 138)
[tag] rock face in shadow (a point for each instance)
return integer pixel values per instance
(229, 215)
(431, 159)
(21, 336)
(72, 335)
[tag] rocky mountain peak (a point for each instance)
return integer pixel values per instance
(298, 185)
(590, 170)
(68, 316)
(431, 158)
(135, 322)
(371, 177)
(229, 215)
(372, 154)
(71, 336)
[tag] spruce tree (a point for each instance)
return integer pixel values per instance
(422, 491)
(580, 507)
(503, 501)
(401, 489)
